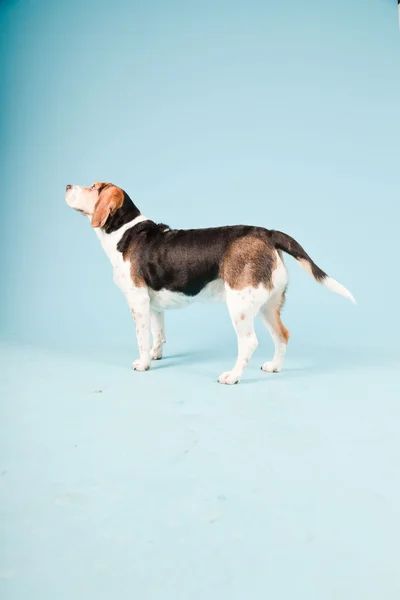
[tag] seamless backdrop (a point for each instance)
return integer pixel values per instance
(165, 485)
(278, 114)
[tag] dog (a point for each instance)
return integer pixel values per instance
(159, 268)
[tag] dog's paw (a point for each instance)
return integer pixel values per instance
(228, 378)
(140, 365)
(271, 367)
(156, 353)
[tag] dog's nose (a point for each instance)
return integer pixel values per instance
(68, 187)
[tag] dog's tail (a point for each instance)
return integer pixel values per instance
(287, 244)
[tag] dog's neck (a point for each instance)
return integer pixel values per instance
(110, 241)
(127, 216)
(125, 213)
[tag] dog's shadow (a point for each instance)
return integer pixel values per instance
(301, 360)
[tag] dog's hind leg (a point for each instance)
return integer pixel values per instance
(270, 315)
(243, 305)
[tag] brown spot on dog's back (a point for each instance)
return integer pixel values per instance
(249, 261)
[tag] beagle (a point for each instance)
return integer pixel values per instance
(159, 268)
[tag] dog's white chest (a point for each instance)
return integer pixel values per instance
(164, 299)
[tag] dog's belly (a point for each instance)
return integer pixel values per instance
(164, 299)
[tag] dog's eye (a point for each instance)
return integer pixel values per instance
(92, 188)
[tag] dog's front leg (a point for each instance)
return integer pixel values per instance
(158, 334)
(139, 304)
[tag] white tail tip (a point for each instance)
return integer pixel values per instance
(338, 288)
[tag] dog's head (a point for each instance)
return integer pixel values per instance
(98, 202)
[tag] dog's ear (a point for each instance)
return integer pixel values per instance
(110, 199)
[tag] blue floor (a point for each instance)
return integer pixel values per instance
(167, 486)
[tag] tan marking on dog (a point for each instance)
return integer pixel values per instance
(110, 199)
(130, 255)
(281, 329)
(136, 275)
(249, 261)
(282, 332)
(306, 266)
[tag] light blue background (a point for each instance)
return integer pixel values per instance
(277, 114)
(166, 485)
